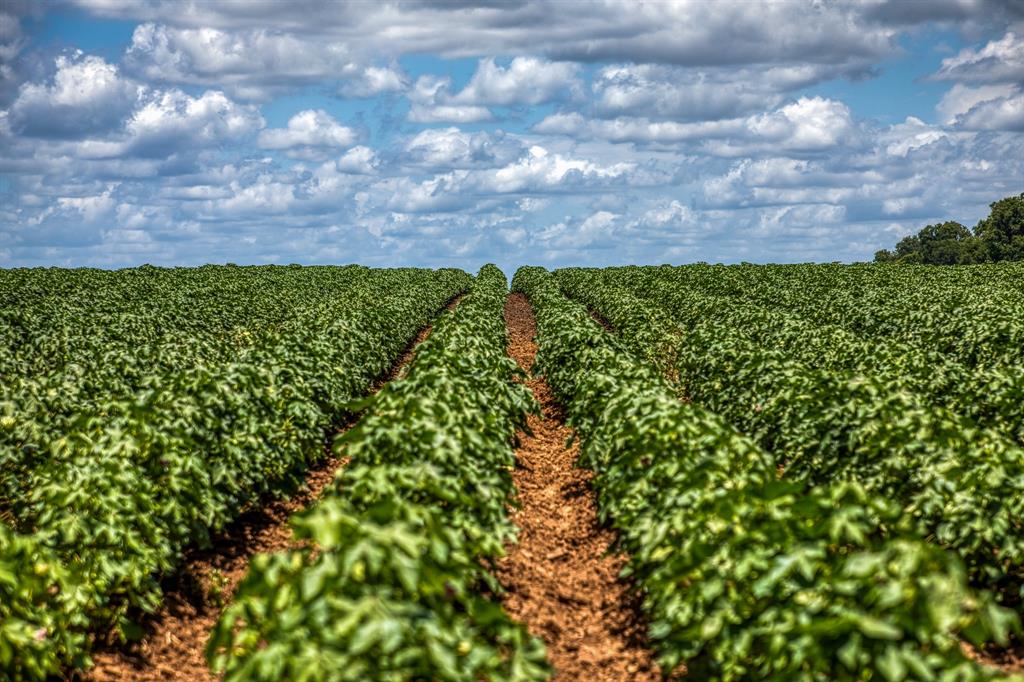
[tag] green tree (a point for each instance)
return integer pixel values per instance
(1003, 230)
(948, 243)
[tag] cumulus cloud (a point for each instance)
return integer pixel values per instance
(645, 232)
(633, 129)
(692, 32)
(901, 139)
(526, 80)
(998, 113)
(903, 14)
(309, 134)
(432, 102)
(375, 80)
(536, 171)
(686, 94)
(997, 61)
(86, 95)
(90, 208)
(12, 42)
(171, 119)
(910, 170)
(988, 92)
(961, 98)
(693, 133)
(251, 64)
(359, 161)
(533, 204)
(807, 125)
(444, 148)
(671, 214)
(12, 39)
(539, 169)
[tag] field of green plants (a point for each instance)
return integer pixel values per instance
(816, 471)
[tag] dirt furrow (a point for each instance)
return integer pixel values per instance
(560, 578)
(175, 638)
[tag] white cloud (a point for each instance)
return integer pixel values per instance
(171, 119)
(12, 42)
(989, 92)
(87, 95)
(526, 80)
(265, 195)
(656, 91)
(359, 161)
(453, 148)
(309, 134)
(671, 214)
(911, 135)
(599, 222)
(251, 64)
(692, 144)
(533, 204)
(803, 220)
(691, 32)
(1000, 113)
(997, 62)
(810, 124)
(595, 230)
(92, 208)
(633, 129)
(536, 171)
(11, 38)
(540, 169)
(432, 102)
(375, 80)
(961, 98)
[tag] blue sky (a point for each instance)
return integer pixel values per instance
(555, 132)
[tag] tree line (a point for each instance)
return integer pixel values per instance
(998, 237)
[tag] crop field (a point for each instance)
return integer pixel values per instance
(701, 472)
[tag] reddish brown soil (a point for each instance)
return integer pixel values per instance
(1008, 659)
(173, 646)
(559, 578)
(596, 316)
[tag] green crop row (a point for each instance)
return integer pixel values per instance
(975, 313)
(745, 575)
(962, 486)
(989, 393)
(389, 581)
(112, 503)
(74, 341)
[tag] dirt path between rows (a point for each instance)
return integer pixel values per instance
(175, 641)
(559, 578)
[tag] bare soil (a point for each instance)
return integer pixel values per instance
(1009, 659)
(560, 578)
(175, 640)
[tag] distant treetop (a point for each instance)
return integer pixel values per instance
(998, 237)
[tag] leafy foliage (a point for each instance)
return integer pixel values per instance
(1003, 230)
(388, 584)
(999, 237)
(831, 407)
(744, 575)
(116, 488)
(948, 243)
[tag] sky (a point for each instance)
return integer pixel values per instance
(550, 132)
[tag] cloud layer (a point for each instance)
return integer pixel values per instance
(431, 133)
